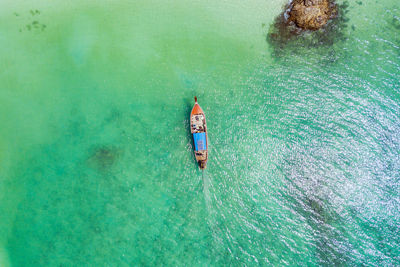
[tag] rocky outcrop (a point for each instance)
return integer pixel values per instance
(311, 14)
(309, 25)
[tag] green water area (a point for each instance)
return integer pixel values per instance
(96, 156)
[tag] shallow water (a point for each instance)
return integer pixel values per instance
(96, 157)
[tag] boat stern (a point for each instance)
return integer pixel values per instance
(202, 164)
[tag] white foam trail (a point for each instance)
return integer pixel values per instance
(209, 206)
(206, 191)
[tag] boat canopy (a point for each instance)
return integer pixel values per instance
(197, 121)
(200, 141)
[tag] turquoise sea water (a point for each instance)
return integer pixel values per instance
(96, 161)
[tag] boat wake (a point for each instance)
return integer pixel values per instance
(206, 192)
(211, 212)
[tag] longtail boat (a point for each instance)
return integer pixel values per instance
(198, 127)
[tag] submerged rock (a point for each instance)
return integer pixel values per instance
(103, 158)
(309, 26)
(311, 14)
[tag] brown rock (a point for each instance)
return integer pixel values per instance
(311, 14)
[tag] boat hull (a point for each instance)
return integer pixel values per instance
(198, 128)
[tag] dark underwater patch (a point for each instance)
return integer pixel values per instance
(394, 26)
(286, 39)
(32, 26)
(396, 21)
(103, 158)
